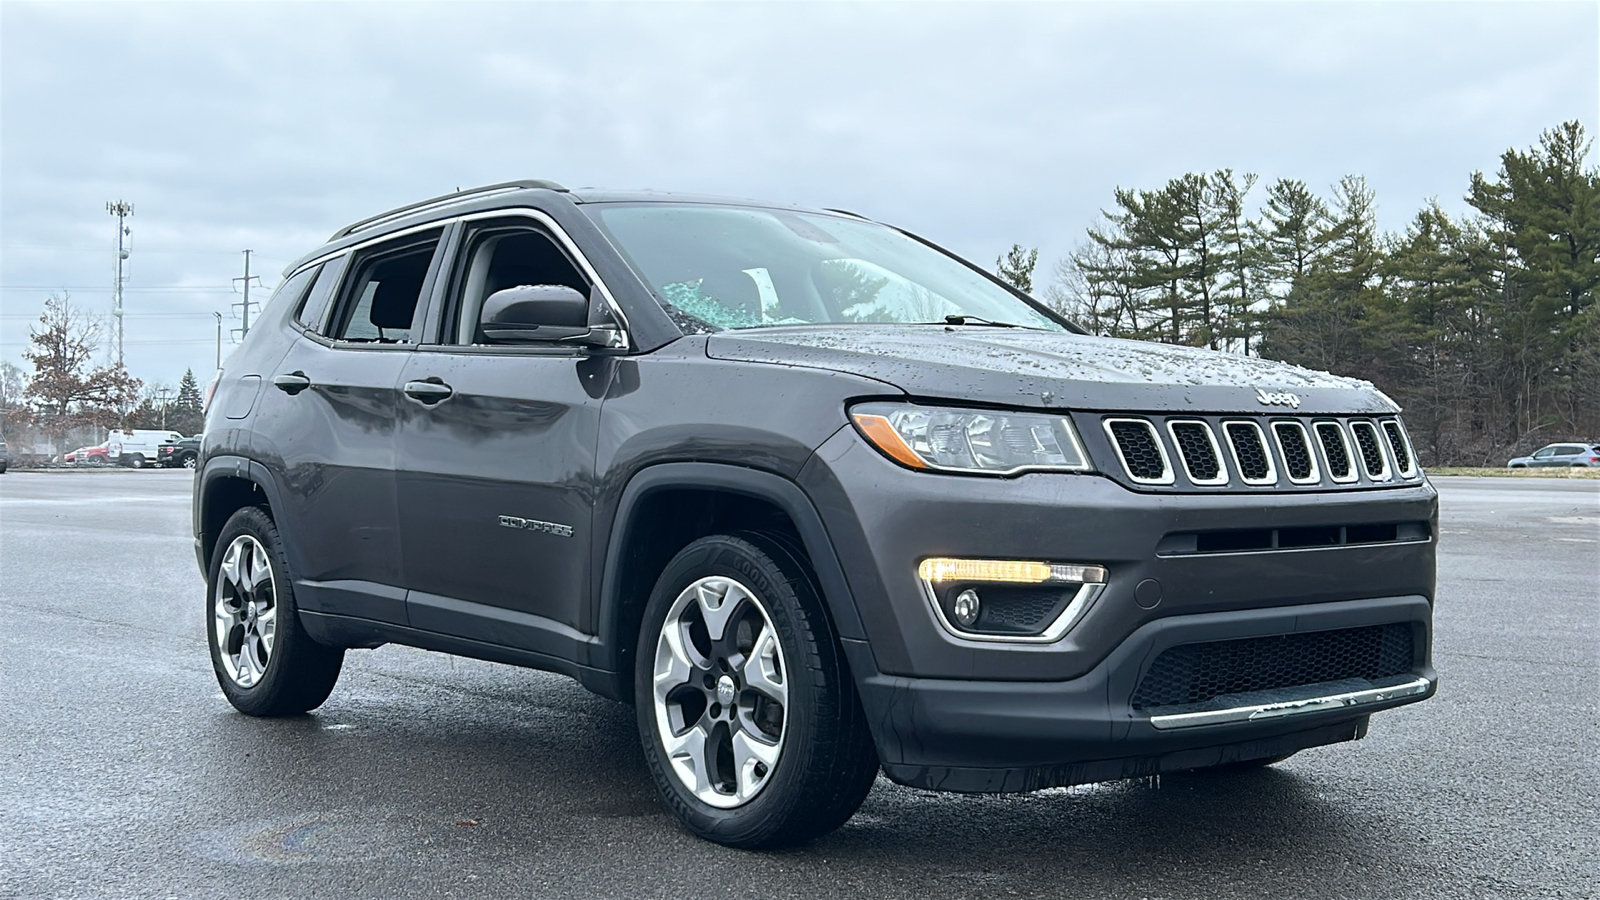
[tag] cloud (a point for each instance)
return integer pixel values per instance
(267, 126)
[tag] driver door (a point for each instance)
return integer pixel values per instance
(495, 460)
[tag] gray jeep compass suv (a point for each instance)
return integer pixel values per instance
(817, 497)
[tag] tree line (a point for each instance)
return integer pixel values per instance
(1484, 327)
(69, 394)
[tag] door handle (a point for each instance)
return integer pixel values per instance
(429, 390)
(291, 383)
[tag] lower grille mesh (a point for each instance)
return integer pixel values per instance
(1196, 673)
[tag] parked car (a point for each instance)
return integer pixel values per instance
(817, 496)
(5, 456)
(88, 456)
(138, 447)
(1568, 454)
(181, 453)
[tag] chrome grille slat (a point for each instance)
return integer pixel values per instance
(1400, 446)
(1140, 450)
(1335, 452)
(1373, 461)
(1197, 448)
(1251, 458)
(1299, 460)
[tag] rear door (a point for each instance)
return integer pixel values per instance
(327, 426)
(496, 456)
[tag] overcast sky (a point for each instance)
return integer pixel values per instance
(268, 126)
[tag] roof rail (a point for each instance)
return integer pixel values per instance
(445, 199)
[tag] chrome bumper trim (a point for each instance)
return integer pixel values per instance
(1291, 707)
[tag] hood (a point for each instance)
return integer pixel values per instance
(1024, 368)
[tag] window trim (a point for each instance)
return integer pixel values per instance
(358, 260)
(447, 321)
(574, 253)
(448, 242)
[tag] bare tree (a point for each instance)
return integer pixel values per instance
(69, 389)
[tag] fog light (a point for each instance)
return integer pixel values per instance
(1022, 600)
(965, 608)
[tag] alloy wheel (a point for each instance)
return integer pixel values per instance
(720, 691)
(245, 611)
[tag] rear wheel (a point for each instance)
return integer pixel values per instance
(265, 661)
(750, 723)
(136, 462)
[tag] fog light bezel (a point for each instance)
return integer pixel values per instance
(968, 573)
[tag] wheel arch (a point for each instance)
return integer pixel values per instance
(224, 486)
(715, 498)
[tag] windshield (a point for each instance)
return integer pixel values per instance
(721, 267)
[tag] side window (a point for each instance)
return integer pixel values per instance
(291, 290)
(380, 301)
(314, 311)
(496, 259)
(1545, 453)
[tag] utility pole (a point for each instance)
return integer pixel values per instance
(219, 339)
(122, 210)
(244, 325)
(164, 395)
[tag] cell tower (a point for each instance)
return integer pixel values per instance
(122, 210)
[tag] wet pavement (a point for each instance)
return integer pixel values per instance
(125, 773)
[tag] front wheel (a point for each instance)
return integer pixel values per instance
(750, 723)
(265, 661)
(189, 462)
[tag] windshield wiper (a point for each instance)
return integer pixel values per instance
(964, 319)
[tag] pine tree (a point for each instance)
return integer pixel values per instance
(187, 415)
(1016, 267)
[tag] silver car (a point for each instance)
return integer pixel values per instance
(1560, 455)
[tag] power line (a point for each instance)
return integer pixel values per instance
(65, 248)
(149, 288)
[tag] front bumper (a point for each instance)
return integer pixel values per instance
(964, 715)
(995, 736)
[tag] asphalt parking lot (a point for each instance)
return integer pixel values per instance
(126, 774)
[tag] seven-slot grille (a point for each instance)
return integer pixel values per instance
(1262, 452)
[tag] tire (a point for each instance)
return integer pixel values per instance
(264, 660)
(96, 462)
(189, 462)
(136, 462)
(808, 761)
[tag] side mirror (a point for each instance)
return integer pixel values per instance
(545, 313)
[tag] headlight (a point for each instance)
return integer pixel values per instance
(971, 440)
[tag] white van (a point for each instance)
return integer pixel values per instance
(136, 449)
